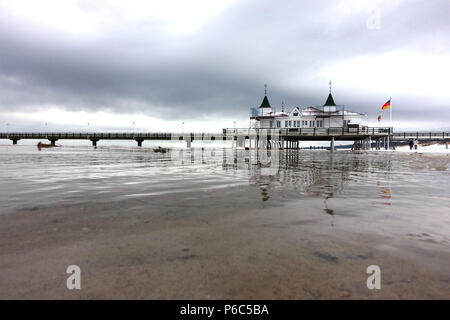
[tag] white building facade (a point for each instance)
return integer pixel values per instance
(329, 115)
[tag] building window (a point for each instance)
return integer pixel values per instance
(278, 124)
(304, 124)
(319, 123)
(311, 124)
(286, 124)
(295, 114)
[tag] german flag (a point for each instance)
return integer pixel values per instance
(387, 105)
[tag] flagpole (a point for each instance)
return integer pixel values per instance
(390, 120)
(390, 112)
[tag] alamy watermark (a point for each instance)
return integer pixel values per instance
(374, 20)
(374, 280)
(74, 280)
(263, 146)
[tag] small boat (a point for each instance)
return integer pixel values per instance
(45, 145)
(162, 150)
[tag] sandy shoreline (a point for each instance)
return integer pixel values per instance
(431, 148)
(145, 226)
(250, 254)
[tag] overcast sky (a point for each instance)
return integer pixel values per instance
(159, 63)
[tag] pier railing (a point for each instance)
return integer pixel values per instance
(333, 131)
(87, 135)
(422, 135)
(366, 131)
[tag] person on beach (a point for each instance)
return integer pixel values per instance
(415, 144)
(411, 144)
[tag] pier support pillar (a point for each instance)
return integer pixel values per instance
(94, 142)
(139, 142)
(53, 141)
(332, 144)
(188, 143)
(14, 140)
(446, 144)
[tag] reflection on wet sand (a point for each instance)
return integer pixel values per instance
(223, 223)
(314, 174)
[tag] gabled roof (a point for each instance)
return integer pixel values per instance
(330, 101)
(265, 103)
(295, 108)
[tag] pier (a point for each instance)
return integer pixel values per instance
(286, 138)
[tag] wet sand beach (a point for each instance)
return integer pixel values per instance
(214, 224)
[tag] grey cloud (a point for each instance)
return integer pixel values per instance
(220, 70)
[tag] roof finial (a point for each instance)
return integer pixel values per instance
(282, 105)
(330, 86)
(265, 89)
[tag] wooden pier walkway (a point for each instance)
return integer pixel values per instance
(285, 138)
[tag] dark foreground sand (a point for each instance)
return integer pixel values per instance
(194, 253)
